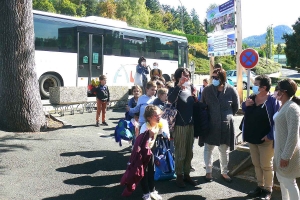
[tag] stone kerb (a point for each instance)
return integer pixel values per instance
(67, 95)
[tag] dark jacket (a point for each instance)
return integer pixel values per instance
(272, 107)
(157, 102)
(184, 109)
(102, 92)
(201, 121)
(139, 159)
(142, 70)
(221, 109)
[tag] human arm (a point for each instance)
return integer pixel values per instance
(108, 95)
(136, 109)
(293, 125)
(140, 69)
(235, 101)
(173, 94)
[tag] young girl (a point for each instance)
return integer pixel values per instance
(155, 127)
(142, 156)
(137, 91)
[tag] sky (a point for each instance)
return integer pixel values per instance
(257, 15)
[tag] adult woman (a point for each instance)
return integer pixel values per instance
(223, 102)
(259, 134)
(287, 141)
(183, 97)
(142, 69)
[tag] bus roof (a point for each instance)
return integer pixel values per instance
(106, 22)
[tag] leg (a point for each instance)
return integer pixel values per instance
(99, 107)
(255, 156)
(224, 158)
(208, 157)
(151, 175)
(266, 153)
(180, 153)
(103, 111)
(189, 133)
(145, 181)
(290, 187)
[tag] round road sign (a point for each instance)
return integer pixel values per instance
(249, 58)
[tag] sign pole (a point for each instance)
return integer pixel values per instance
(211, 67)
(239, 49)
(248, 82)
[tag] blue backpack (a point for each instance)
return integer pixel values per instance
(124, 131)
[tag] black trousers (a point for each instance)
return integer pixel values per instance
(147, 181)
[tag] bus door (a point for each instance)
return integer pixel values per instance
(90, 57)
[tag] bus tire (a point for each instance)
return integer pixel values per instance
(45, 82)
(166, 77)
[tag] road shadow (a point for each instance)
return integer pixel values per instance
(106, 162)
(187, 197)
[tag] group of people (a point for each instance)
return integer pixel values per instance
(270, 125)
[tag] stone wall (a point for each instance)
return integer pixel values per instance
(68, 95)
(118, 96)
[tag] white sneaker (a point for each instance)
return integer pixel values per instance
(146, 196)
(154, 195)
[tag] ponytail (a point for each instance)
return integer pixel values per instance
(296, 100)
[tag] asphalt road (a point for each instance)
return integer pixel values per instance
(289, 73)
(84, 162)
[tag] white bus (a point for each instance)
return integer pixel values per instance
(72, 51)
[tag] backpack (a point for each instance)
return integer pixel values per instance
(124, 131)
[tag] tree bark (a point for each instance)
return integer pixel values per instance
(21, 108)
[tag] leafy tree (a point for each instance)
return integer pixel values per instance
(43, 5)
(198, 27)
(134, 12)
(245, 46)
(18, 79)
(168, 21)
(292, 49)
(166, 8)
(65, 7)
(156, 22)
(91, 7)
(81, 10)
(153, 6)
(108, 9)
(269, 42)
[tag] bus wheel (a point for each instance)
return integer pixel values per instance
(166, 77)
(46, 81)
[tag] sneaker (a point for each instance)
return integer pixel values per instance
(97, 124)
(255, 193)
(104, 124)
(154, 195)
(266, 194)
(146, 197)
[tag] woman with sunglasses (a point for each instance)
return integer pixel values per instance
(258, 131)
(287, 141)
(223, 102)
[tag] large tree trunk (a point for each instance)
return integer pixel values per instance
(21, 109)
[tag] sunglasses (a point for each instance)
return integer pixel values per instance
(215, 77)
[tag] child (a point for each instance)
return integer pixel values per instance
(102, 94)
(161, 98)
(155, 126)
(137, 91)
(135, 122)
(143, 101)
(205, 83)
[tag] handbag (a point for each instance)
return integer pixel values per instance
(169, 114)
(138, 79)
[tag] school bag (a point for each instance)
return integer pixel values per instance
(163, 160)
(124, 131)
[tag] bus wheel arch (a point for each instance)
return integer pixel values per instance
(166, 77)
(47, 80)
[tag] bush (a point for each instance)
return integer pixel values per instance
(275, 80)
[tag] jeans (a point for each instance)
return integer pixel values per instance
(223, 156)
(289, 188)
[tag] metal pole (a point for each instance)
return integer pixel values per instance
(239, 67)
(181, 16)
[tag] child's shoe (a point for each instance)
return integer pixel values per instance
(97, 124)
(154, 195)
(146, 196)
(104, 124)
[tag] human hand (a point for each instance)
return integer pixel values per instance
(249, 102)
(182, 80)
(266, 139)
(284, 163)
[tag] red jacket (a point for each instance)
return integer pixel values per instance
(139, 159)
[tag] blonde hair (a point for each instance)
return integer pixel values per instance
(150, 84)
(149, 111)
(136, 87)
(161, 91)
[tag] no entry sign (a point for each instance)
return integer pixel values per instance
(249, 58)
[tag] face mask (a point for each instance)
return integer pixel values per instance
(255, 89)
(143, 63)
(155, 66)
(186, 84)
(216, 82)
(275, 94)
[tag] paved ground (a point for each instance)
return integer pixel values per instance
(84, 162)
(289, 73)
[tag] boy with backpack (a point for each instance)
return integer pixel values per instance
(102, 93)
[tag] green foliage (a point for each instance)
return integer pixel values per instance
(275, 80)
(81, 10)
(108, 9)
(43, 5)
(245, 46)
(266, 67)
(269, 42)
(153, 6)
(292, 49)
(156, 22)
(91, 7)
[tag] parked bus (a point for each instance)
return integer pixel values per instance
(72, 51)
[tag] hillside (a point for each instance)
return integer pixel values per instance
(258, 40)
